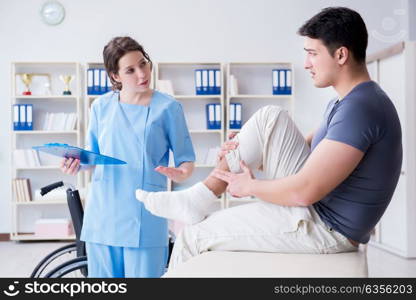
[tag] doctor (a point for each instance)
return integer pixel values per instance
(138, 125)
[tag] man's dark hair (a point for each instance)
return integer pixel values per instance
(337, 27)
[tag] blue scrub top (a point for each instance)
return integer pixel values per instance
(142, 137)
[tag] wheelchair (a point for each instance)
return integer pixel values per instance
(71, 260)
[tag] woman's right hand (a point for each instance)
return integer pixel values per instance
(227, 146)
(70, 166)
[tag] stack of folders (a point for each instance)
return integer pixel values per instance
(22, 117)
(26, 158)
(21, 190)
(282, 81)
(60, 121)
(213, 112)
(235, 115)
(98, 81)
(208, 81)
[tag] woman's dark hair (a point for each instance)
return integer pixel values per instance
(116, 49)
(337, 27)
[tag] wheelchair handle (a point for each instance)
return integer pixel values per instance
(48, 188)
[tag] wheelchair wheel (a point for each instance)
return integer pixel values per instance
(75, 268)
(54, 259)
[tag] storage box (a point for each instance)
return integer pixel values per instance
(53, 228)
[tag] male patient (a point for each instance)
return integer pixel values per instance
(323, 194)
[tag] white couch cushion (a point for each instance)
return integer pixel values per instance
(255, 264)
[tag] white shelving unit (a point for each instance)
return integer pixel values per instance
(395, 71)
(46, 97)
(182, 77)
(255, 90)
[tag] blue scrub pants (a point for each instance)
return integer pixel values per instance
(119, 262)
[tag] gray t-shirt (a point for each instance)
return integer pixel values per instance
(367, 120)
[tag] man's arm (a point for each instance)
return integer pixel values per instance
(328, 165)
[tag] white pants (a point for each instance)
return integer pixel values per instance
(270, 141)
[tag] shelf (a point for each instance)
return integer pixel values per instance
(260, 96)
(40, 202)
(44, 132)
(39, 168)
(40, 97)
(261, 63)
(30, 237)
(188, 63)
(205, 131)
(185, 97)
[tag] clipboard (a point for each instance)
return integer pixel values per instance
(86, 157)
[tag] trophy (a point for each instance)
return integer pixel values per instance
(66, 79)
(27, 80)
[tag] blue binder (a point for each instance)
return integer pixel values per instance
(235, 115)
(275, 81)
(204, 81)
(86, 157)
(198, 82)
(210, 112)
(217, 89)
(96, 84)
(211, 82)
(282, 81)
(29, 116)
(16, 117)
(90, 81)
(217, 116)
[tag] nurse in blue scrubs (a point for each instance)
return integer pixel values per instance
(138, 125)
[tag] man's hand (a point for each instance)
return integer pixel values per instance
(238, 184)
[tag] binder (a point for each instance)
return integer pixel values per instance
(86, 157)
(238, 115)
(22, 116)
(275, 81)
(235, 115)
(210, 112)
(29, 116)
(288, 89)
(211, 82)
(232, 115)
(103, 81)
(282, 80)
(198, 82)
(217, 89)
(96, 84)
(217, 116)
(16, 117)
(90, 81)
(204, 82)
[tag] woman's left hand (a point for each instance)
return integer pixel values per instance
(174, 174)
(238, 184)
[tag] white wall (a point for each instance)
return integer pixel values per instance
(179, 30)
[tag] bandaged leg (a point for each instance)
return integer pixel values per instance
(189, 206)
(269, 141)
